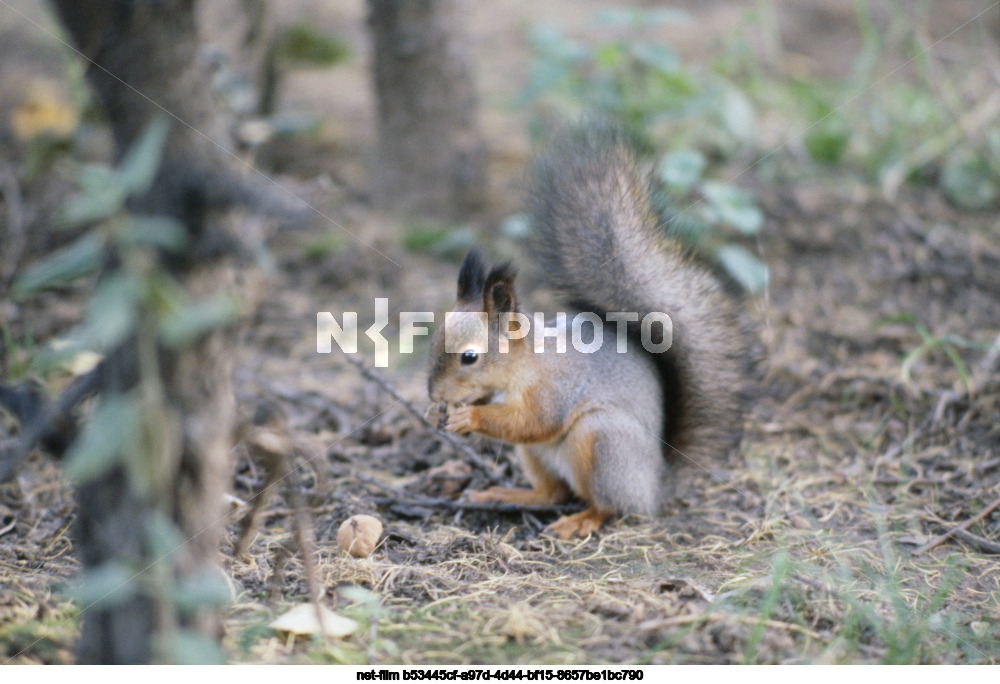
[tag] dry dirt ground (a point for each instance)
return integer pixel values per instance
(804, 547)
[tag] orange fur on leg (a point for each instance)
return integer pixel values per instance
(509, 495)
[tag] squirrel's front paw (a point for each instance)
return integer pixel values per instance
(436, 414)
(462, 420)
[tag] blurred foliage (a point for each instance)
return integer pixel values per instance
(45, 121)
(321, 246)
(134, 288)
(300, 45)
(701, 118)
(441, 240)
(903, 115)
(17, 354)
(304, 45)
(949, 343)
(138, 305)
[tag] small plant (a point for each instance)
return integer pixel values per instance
(700, 118)
(707, 213)
(439, 239)
(134, 295)
(17, 355)
(948, 343)
(300, 45)
(903, 114)
(137, 306)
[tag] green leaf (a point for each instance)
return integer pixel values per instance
(78, 259)
(106, 586)
(322, 246)
(963, 370)
(302, 44)
(113, 428)
(101, 196)
(162, 534)
(291, 124)
(747, 269)
(440, 240)
(637, 18)
(202, 589)
(111, 313)
(425, 239)
(94, 178)
(733, 206)
(138, 168)
(681, 169)
(968, 181)
(687, 227)
(155, 231)
(827, 141)
(657, 56)
(738, 115)
(671, 91)
(57, 353)
(360, 596)
(194, 320)
(911, 358)
(164, 295)
(608, 56)
(187, 647)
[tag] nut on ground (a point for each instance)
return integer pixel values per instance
(358, 535)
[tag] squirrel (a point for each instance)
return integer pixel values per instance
(602, 425)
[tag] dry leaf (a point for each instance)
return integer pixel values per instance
(302, 620)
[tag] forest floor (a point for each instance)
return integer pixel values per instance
(808, 546)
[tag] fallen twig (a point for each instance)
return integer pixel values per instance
(492, 473)
(14, 237)
(45, 418)
(692, 618)
(980, 543)
(960, 528)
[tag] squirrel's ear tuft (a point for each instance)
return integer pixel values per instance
(471, 276)
(498, 290)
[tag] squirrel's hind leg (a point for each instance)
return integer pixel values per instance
(580, 452)
(621, 466)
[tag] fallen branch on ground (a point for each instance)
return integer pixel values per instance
(960, 528)
(492, 473)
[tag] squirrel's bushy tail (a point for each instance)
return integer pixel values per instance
(600, 244)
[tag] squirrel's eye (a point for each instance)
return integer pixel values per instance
(469, 357)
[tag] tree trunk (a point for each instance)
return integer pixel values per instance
(430, 157)
(145, 62)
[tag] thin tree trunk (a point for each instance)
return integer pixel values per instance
(145, 62)
(430, 157)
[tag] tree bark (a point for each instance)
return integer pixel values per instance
(144, 61)
(430, 157)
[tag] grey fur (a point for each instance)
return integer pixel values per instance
(599, 243)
